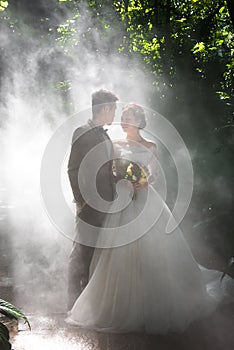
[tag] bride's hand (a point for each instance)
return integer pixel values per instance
(138, 186)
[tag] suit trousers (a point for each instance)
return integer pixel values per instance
(81, 255)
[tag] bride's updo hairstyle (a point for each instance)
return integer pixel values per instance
(138, 113)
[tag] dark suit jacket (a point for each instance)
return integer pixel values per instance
(85, 138)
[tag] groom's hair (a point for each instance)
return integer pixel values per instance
(100, 98)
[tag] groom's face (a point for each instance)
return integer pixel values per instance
(110, 113)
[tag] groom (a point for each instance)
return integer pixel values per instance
(86, 138)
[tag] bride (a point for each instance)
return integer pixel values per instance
(144, 280)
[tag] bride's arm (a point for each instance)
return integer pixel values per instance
(153, 165)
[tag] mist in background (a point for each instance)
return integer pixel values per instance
(41, 86)
(36, 99)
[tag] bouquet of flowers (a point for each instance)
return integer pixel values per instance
(131, 171)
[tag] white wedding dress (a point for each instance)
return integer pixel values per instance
(148, 281)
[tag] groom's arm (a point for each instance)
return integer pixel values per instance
(78, 151)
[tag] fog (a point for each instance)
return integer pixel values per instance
(41, 88)
(33, 106)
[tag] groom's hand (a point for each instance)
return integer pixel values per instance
(79, 207)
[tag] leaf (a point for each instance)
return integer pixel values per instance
(4, 333)
(4, 344)
(12, 311)
(228, 268)
(3, 5)
(222, 95)
(181, 20)
(198, 47)
(4, 337)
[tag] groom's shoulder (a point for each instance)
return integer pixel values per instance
(80, 131)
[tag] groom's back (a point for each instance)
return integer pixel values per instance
(89, 149)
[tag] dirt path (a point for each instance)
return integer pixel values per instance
(51, 333)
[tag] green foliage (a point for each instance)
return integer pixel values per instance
(4, 338)
(3, 5)
(214, 53)
(11, 312)
(89, 18)
(67, 32)
(63, 85)
(161, 31)
(161, 35)
(141, 37)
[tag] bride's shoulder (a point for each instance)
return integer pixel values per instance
(150, 144)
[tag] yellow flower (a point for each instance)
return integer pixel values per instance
(143, 173)
(142, 181)
(129, 169)
(134, 177)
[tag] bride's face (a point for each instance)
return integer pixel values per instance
(129, 123)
